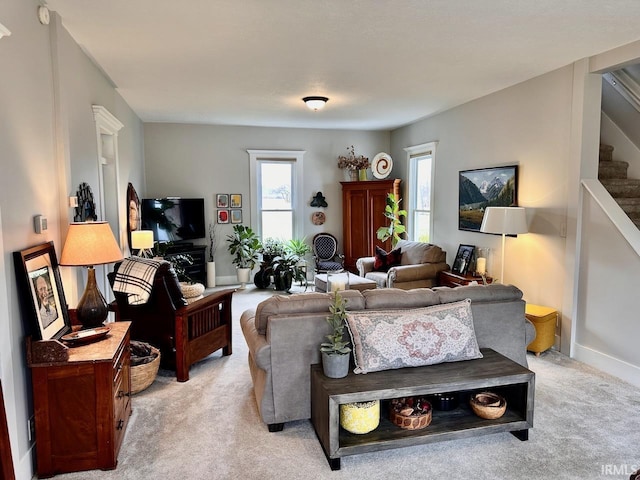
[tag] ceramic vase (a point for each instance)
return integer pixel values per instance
(243, 277)
(211, 274)
(335, 366)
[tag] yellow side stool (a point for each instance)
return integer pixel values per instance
(544, 319)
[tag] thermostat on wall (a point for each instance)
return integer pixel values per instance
(39, 223)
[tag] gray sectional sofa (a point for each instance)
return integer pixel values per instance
(284, 334)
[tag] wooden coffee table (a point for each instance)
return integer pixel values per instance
(493, 372)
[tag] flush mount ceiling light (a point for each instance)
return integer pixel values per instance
(315, 103)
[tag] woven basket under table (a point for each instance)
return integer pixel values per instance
(142, 376)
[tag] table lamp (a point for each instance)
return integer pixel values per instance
(505, 221)
(89, 244)
(142, 240)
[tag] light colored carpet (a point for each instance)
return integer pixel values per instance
(586, 426)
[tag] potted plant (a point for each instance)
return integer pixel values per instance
(271, 248)
(357, 165)
(211, 261)
(244, 245)
(285, 269)
(395, 228)
(335, 352)
(300, 248)
(178, 261)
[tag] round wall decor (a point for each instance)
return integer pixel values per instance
(318, 218)
(381, 165)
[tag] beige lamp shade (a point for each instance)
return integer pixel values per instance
(507, 220)
(142, 239)
(90, 243)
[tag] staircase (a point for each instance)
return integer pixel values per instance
(613, 176)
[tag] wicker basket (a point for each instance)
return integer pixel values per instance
(488, 405)
(413, 421)
(360, 417)
(143, 375)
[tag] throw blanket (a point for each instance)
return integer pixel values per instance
(135, 278)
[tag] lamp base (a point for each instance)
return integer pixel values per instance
(92, 309)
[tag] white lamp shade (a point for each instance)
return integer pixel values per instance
(315, 103)
(90, 243)
(142, 239)
(504, 220)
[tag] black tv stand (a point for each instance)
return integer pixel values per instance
(197, 271)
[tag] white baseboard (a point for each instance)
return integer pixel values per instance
(611, 365)
(228, 280)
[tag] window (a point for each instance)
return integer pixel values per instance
(421, 160)
(276, 177)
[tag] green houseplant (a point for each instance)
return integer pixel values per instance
(298, 247)
(335, 352)
(395, 229)
(244, 245)
(271, 249)
(285, 270)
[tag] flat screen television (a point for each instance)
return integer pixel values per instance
(173, 219)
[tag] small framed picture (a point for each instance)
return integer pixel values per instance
(223, 216)
(236, 201)
(41, 292)
(236, 216)
(222, 200)
(463, 259)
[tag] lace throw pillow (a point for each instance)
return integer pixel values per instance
(384, 340)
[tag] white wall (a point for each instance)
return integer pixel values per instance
(607, 328)
(528, 125)
(47, 88)
(202, 160)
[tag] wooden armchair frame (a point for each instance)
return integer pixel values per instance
(184, 333)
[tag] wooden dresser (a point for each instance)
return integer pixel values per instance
(449, 279)
(363, 205)
(82, 405)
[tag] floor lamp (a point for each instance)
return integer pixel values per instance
(89, 244)
(505, 221)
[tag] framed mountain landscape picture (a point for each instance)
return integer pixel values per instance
(482, 188)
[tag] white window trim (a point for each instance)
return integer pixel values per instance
(297, 201)
(414, 151)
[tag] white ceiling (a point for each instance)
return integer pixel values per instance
(382, 63)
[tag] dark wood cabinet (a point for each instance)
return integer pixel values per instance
(82, 405)
(449, 279)
(363, 205)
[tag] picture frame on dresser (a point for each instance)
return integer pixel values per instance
(463, 259)
(41, 292)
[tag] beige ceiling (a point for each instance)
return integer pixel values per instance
(382, 63)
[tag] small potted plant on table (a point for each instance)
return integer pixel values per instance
(335, 352)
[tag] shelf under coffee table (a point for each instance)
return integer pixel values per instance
(492, 372)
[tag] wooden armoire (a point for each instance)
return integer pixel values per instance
(363, 206)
